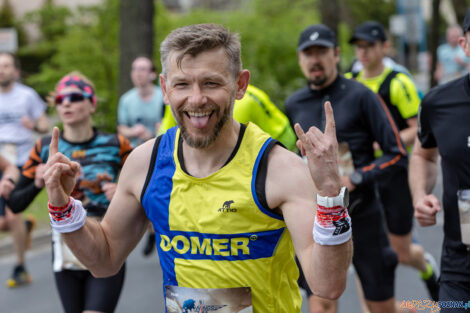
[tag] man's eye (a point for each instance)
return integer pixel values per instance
(180, 85)
(212, 84)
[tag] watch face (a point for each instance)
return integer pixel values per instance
(356, 178)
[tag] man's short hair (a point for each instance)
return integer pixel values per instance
(153, 68)
(16, 61)
(194, 39)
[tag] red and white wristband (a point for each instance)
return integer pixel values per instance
(332, 221)
(67, 218)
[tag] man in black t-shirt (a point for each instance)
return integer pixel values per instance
(444, 128)
(360, 120)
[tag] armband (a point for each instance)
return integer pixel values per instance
(68, 218)
(332, 224)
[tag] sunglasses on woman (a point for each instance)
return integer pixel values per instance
(71, 97)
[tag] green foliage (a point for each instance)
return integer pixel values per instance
(89, 45)
(363, 10)
(268, 35)
(7, 19)
(87, 40)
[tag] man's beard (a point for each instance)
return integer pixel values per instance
(6, 83)
(319, 80)
(201, 143)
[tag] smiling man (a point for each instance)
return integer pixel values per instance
(227, 203)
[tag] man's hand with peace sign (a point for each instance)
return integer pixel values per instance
(321, 150)
(60, 173)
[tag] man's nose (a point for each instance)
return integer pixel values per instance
(197, 96)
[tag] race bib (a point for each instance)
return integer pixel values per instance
(10, 152)
(220, 300)
(345, 161)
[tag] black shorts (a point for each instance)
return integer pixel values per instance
(373, 258)
(395, 197)
(80, 291)
(454, 294)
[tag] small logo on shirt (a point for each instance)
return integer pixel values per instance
(227, 207)
(78, 154)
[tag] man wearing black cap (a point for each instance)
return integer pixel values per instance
(360, 120)
(398, 92)
(444, 129)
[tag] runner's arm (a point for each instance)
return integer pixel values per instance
(423, 170)
(325, 266)
(24, 193)
(381, 126)
(293, 191)
(409, 134)
(103, 246)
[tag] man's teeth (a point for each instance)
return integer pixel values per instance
(198, 114)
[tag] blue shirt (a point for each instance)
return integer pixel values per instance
(134, 110)
(446, 55)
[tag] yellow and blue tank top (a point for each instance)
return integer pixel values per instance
(214, 232)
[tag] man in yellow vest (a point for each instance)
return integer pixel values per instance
(227, 203)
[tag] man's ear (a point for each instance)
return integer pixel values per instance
(464, 45)
(242, 84)
(163, 87)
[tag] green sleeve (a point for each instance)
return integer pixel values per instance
(256, 107)
(404, 95)
(168, 121)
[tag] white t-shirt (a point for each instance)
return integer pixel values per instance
(15, 139)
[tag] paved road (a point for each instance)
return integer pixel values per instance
(143, 292)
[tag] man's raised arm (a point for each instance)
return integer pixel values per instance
(322, 237)
(101, 246)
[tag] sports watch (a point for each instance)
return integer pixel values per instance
(341, 200)
(356, 178)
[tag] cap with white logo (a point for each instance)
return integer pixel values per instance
(316, 35)
(369, 31)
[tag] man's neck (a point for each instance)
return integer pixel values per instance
(146, 91)
(373, 71)
(204, 162)
(6, 88)
(327, 84)
(78, 133)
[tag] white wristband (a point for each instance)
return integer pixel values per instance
(339, 232)
(76, 220)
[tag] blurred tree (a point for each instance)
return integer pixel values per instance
(434, 40)
(135, 36)
(89, 45)
(358, 11)
(460, 7)
(330, 13)
(7, 20)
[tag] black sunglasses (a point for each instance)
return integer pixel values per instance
(72, 97)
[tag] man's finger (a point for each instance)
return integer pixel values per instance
(330, 126)
(54, 145)
(299, 131)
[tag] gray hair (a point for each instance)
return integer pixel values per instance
(194, 39)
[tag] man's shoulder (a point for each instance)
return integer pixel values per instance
(353, 86)
(21, 88)
(128, 95)
(454, 90)
(298, 95)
